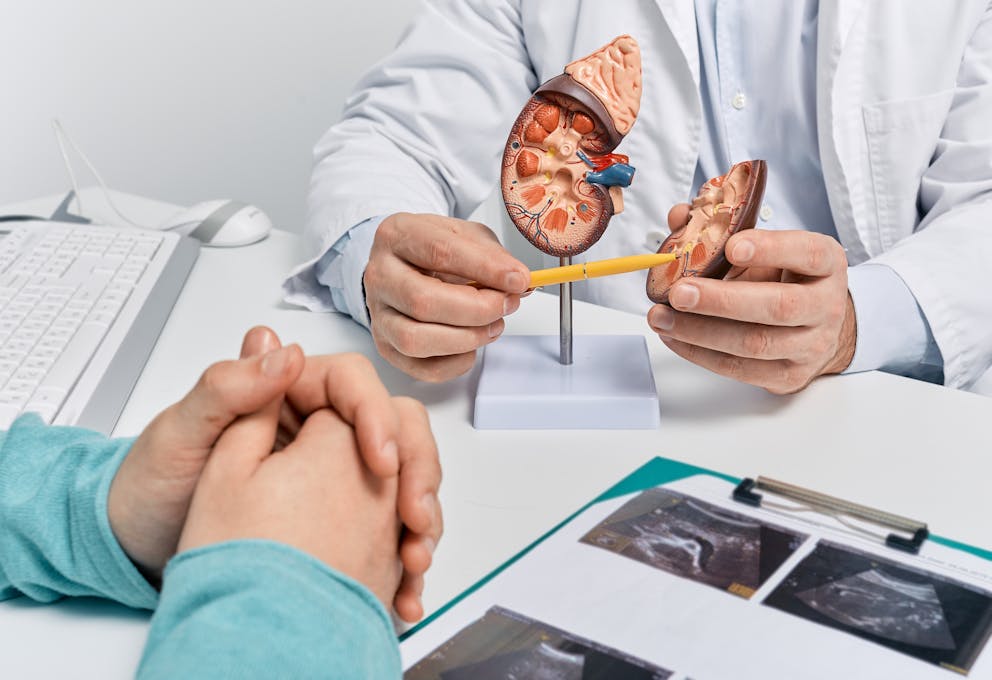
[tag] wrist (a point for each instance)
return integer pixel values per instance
(847, 341)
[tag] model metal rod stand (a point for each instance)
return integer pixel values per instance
(565, 318)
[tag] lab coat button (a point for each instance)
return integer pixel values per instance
(766, 212)
(739, 101)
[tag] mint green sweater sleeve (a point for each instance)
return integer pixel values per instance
(259, 609)
(241, 609)
(55, 536)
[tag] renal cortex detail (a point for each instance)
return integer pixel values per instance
(724, 206)
(560, 181)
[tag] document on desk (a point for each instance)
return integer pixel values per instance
(677, 580)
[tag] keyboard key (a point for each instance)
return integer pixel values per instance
(75, 357)
(61, 288)
(46, 402)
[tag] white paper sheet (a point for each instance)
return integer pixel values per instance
(699, 630)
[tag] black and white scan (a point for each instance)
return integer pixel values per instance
(919, 613)
(505, 645)
(691, 538)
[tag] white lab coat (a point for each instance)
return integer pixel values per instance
(904, 116)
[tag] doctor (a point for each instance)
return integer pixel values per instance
(875, 119)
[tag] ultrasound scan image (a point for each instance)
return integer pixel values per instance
(504, 645)
(910, 610)
(694, 539)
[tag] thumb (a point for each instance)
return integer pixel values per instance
(230, 389)
(678, 216)
(248, 441)
(259, 340)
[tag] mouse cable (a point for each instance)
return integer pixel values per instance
(62, 136)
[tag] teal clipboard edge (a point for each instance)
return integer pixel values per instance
(655, 472)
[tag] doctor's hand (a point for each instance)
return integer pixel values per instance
(316, 495)
(781, 318)
(423, 319)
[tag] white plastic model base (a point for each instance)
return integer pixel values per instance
(609, 385)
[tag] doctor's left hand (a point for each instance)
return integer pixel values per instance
(781, 318)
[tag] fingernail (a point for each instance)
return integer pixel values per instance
(274, 363)
(661, 318)
(258, 341)
(514, 282)
(743, 251)
(684, 296)
(430, 544)
(495, 328)
(510, 305)
(391, 453)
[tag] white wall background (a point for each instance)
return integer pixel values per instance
(183, 100)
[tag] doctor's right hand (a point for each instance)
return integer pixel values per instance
(424, 320)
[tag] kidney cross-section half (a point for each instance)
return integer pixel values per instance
(544, 175)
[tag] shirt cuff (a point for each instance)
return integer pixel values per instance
(332, 281)
(893, 333)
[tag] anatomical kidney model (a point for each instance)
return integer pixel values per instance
(561, 183)
(724, 206)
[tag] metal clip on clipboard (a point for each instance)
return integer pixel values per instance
(917, 531)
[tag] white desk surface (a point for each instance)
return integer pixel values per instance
(912, 448)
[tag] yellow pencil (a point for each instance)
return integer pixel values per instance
(590, 270)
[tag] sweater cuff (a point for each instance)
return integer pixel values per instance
(55, 534)
(243, 608)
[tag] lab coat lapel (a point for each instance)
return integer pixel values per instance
(680, 15)
(844, 186)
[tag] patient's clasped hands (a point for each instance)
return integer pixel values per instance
(306, 451)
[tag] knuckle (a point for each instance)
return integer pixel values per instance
(382, 345)
(323, 418)
(388, 229)
(757, 342)
(786, 307)
(440, 253)
(836, 310)
(446, 368)
(724, 301)
(431, 372)
(410, 408)
(817, 347)
(358, 362)
(372, 278)
(212, 381)
(733, 367)
(793, 378)
(421, 304)
(816, 255)
(407, 340)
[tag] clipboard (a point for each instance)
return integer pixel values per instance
(659, 472)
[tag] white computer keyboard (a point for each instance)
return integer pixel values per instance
(63, 289)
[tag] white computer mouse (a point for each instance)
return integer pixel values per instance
(222, 223)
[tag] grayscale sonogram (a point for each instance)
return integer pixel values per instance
(910, 610)
(691, 538)
(504, 645)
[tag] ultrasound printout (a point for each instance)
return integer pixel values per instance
(919, 613)
(696, 540)
(504, 645)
